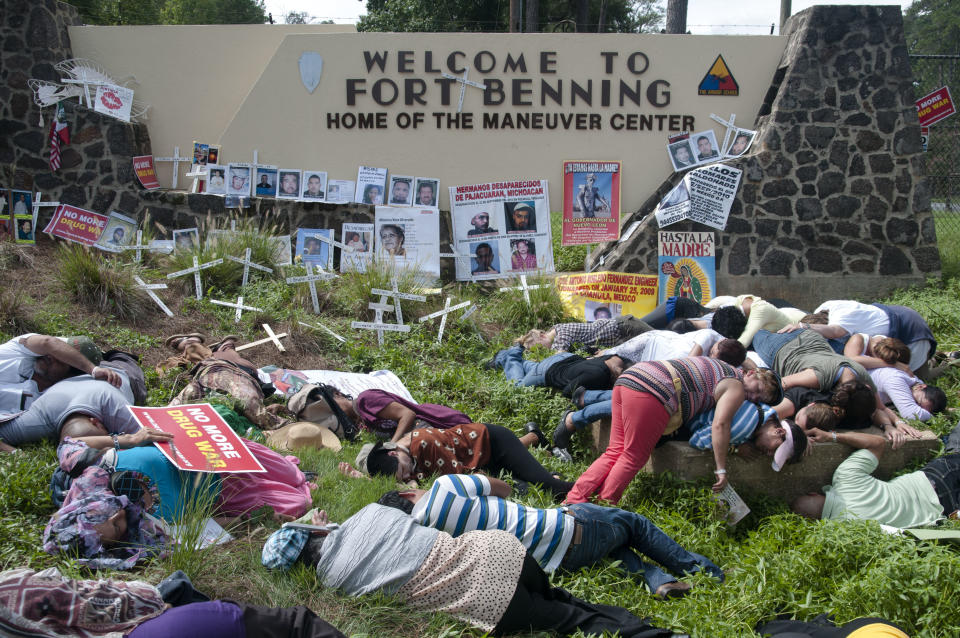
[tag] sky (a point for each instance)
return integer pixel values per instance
(704, 17)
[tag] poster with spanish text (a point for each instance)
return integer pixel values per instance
(591, 202)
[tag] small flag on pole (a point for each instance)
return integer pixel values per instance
(59, 134)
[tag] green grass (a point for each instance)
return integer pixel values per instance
(948, 241)
(776, 562)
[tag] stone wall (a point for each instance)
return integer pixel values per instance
(832, 202)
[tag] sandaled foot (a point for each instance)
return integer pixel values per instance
(676, 589)
(178, 342)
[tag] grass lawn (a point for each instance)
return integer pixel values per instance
(776, 563)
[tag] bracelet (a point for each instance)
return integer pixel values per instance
(834, 433)
(720, 471)
(116, 442)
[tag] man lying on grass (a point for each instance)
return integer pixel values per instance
(565, 537)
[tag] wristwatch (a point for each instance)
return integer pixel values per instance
(116, 442)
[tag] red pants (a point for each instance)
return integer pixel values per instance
(639, 420)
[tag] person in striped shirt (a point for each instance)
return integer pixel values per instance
(564, 537)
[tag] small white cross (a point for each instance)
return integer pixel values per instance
(525, 287)
(472, 309)
(311, 280)
(149, 288)
(397, 296)
(323, 327)
(463, 85)
(275, 338)
(198, 172)
(176, 159)
(247, 264)
(729, 126)
(447, 309)
(453, 254)
(37, 204)
(195, 271)
(138, 247)
(377, 323)
(239, 306)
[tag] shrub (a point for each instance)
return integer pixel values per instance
(102, 282)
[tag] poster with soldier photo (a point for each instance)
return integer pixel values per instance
(501, 229)
(408, 238)
(359, 237)
(371, 185)
(120, 231)
(591, 202)
(681, 152)
(705, 144)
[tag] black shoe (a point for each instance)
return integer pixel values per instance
(577, 396)
(561, 435)
(490, 364)
(521, 487)
(541, 439)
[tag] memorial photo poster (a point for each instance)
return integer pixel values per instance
(681, 152)
(281, 250)
(607, 294)
(76, 225)
(705, 143)
(686, 266)
(742, 140)
(490, 219)
(216, 182)
(238, 179)
(146, 172)
(314, 186)
(311, 250)
(360, 238)
(201, 153)
(23, 230)
(371, 185)
(340, 191)
(120, 231)
(591, 202)
(401, 190)
(186, 240)
(289, 183)
(265, 181)
(704, 195)
(215, 236)
(426, 190)
(213, 154)
(5, 226)
(408, 237)
(21, 203)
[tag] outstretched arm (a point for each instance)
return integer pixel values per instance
(46, 345)
(875, 444)
(729, 395)
(404, 416)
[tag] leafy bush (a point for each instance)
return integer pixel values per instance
(102, 282)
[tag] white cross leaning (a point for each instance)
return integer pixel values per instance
(195, 271)
(729, 125)
(149, 288)
(526, 288)
(275, 338)
(397, 296)
(198, 172)
(138, 247)
(323, 327)
(463, 85)
(247, 264)
(239, 306)
(334, 242)
(447, 309)
(311, 280)
(453, 254)
(37, 205)
(377, 324)
(176, 158)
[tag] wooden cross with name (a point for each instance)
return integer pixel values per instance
(377, 324)
(397, 296)
(526, 288)
(199, 173)
(275, 338)
(176, 158)
(37, 205)
(149, 288)
(239, 306)
(447, 309)
(464, 82)
(247, 265)
(195, 271)
(311, 280)
(138, 247)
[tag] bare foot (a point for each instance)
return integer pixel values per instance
(348, 470)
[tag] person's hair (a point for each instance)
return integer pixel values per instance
(380, 462)
(528, 339)
(857, 400)
(703, 137)
(314, 176)
(393, 499)
(819, 318)
(682, 326)
(936, 397)
(729, 321)
(397, 229)
(891, 351)
(489, 247)
(423, 185)
(809, 505)
(311, 552)
(370, 187)
(772, 389)
(823, 416)
(730, 351)
(799, 442)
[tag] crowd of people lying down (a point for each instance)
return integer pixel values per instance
(740, 375)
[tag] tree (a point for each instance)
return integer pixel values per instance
(296, 17)
(933, 27)
(676, 16)
(114, 12)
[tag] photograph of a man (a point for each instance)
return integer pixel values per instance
(485, 262)
(118, 238)
(521, 217)
(25, 230)
(238, 180)
(400, 190)
(706, 146)
(316, 184)
(481, 225)
(681, 155)
(266, 182)
(186, 240)
(426, 192)
(289, 180)
(741, 142)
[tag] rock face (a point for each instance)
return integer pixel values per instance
(832, 200)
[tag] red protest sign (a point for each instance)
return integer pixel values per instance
(202, 440)
(76, 224)
(935, 106)
(146, 173)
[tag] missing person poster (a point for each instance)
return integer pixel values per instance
(202, 440)
(704, 195)
(607, 295)
(360, 238)
(146, 172)
(77, 225)
(120, 231)
(687, 266)
(313, 250)
(505, 226)
(591, 202)
(408, 237)
(371, 185)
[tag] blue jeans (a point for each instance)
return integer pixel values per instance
(525, 372)
(944, 474)
(597, 404)
(621, 535)
(767, 344)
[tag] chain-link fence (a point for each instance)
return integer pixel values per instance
(930, 72)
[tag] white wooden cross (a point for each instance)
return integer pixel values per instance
(453, 254)
(176, 158)
(377, 324)
(195, 271)
(525, 287)
(275, 338)
(463, 85)
(323, 327)
(247, 264)
(197, 172)
(397, 296)
(729, 126)
(472, 309)
(149, 288)
(447, 309)
(333, 242)
(37, 205)
(138, 247)
(311, 280)
(239, 306)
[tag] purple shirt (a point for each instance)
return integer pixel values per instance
(369, 403)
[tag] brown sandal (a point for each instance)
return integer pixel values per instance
(174, 341)
(216, 346)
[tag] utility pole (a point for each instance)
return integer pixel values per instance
(533, 16)
(516, 7)
(784, 13)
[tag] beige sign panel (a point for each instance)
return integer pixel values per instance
(394, 100)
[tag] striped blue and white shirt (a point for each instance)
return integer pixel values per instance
(460, 503)
(748, 418)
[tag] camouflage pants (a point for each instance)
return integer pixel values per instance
(213, 375)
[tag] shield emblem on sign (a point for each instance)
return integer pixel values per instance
(311, 66)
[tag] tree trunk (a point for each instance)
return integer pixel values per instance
(676, 16)
(583, 12)
(784, 13)
(515, 11)
(600, 20)
(533, 16)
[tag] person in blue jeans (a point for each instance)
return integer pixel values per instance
(563, 371)
(567, 538)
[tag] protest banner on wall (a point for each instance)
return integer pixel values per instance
(202, 440)
(146, 172)
(933, 107)
(408, 237)
(603, 295)
(510, 232)
(686, 266)
(704, 195)
(76, 224)
(591, 202)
